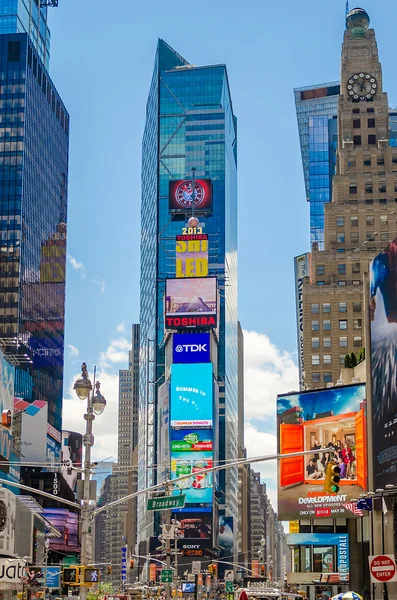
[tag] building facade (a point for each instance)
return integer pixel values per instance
(189, 125)
(360, 219)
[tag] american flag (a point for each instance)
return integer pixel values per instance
(353, 508)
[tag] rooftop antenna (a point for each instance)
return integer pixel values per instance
(347, 10)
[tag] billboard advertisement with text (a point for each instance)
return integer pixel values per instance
(181, 195)
(191, 303)
(197, 487)
(323, 553)
(383, 315)
(189, 440)
(191, 348)
(191, 396)
(333, 418)
(191, 255)
(302, 270)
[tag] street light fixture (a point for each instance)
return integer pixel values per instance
(95, 406)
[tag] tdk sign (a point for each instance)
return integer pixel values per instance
(191, 348)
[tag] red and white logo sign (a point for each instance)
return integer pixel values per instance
(382, 568)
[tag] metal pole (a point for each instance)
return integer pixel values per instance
(193, 190)
(86, 513)
(372, 546)
(46, 549)
(196, 587)
(385, 591)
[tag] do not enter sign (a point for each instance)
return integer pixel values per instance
(382, 568)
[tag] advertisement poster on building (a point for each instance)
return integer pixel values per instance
(333, 418)
(67, 523)
(181, 195)
(191, 440)
(191, 303)
(330, 552)
(163, 410)
(226, 537)
(383, 356)
(192, 396)
(302, 269)
(191, 255)
(7, 376)
(34, 418)
(191, 348)
(72, 448)
(198, 486)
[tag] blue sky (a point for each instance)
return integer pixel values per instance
(101, 62)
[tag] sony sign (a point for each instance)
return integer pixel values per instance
(191, 348)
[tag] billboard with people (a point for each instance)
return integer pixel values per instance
(332, 423)
(383, 315)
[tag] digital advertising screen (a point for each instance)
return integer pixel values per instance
(225, 537)
(197, 485)
(181, 195)
(325, 543)
(192, 396)
(191, 440)
(67, 523)
(191, 255)
(7, 379)
(191, 303)
(191, 348)
(333, 418)
(383, 357)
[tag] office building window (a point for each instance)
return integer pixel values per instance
(353, 188)
(384, 219)
(341, 269)
(357, 340)
(341, 282)
(315, 308)
(327, 342)
(371, 123)
(343, 307)
(371, 140)
(327, 377)
(370, 219)
(356, 282)
(384, 236)
(380, 160)
(326, 324)
(315, 342)
(342, 359)
(356, 306)
(367, 161)
(356, 123)
(316, 377)
(315, 359)
(326, 307)
(342, 323)
(315, 325)
(382, 188)
(354, 221)
(327, 359)
(340, 221)
(357, 323)
(320, 269)
(343, 341)
(355, 267)
(357, 140)
(354, 236)
(340, 238)
(368, 188)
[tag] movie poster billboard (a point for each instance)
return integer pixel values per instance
(325, 560)
(226, 537)
(191, 303)
(191, 255)
(383, 357)
(191, 396)
(301, 270)
(194, 533)
(333, 418)
(181, 195)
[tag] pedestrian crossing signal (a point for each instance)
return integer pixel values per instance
(70, 576)
(91, 575)
(332, 479)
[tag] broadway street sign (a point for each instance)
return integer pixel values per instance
(166, 502)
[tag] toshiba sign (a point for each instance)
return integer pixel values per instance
(191, 347)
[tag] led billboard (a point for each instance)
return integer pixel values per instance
(383, 315)
(302, 270)
(191, 347)
(67, 523)
(194, 533)
(323, 555)
(333, 418)
(7, 377)
(191, 255)
(72, 452)
(191, 303)
(191, 396)
(181, 195)
(198, 486)
(188, 440)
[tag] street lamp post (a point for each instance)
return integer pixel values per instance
(46, 550)
(95, 404)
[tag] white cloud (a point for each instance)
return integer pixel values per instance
(116, 352)
(100, 283)
(262, 443)
(73, 351)
(105, 425)
(268, 371)
(77, 266)
(121, 327)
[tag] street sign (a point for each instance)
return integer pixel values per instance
(294, 526)
(229, 587)
(166, 502)
(382, 568)
(88, 546)
(229, 575)
(53, 577)
(196, 567)
(166, 575)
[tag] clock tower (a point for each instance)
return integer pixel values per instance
(361, 218)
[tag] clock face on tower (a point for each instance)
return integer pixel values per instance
(3, 516)
(361, 86)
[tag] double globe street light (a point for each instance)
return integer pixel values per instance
(95, 406)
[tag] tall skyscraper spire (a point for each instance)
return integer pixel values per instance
(347, 11)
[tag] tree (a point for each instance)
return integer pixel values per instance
(347, 361)
(353, 360)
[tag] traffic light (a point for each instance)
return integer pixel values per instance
(132, 562)
(332, 478)
(109, 569)
(70, 575)
(91, 575)
(263, 570)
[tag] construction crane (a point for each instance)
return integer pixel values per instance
(44, 3)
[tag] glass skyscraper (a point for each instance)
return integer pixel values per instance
(189, 124)
(26, 16)
(34, 140)
(317, 111)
